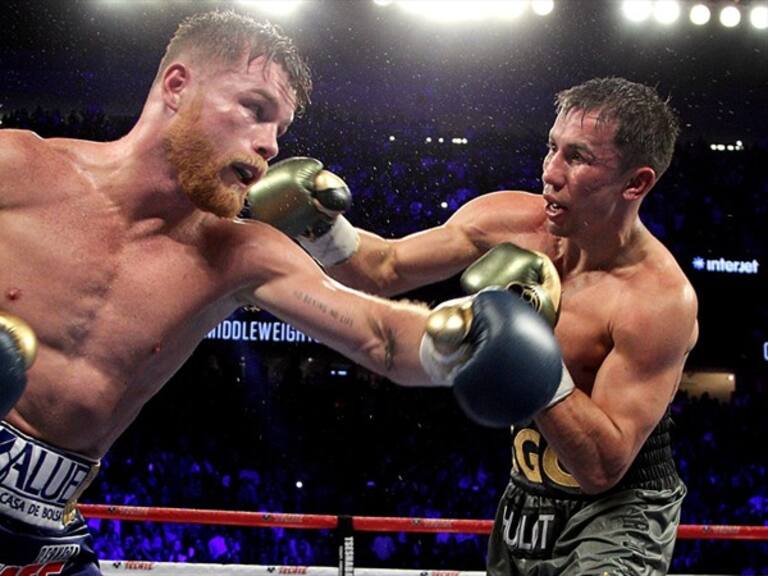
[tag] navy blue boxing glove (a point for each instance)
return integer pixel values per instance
(498, 354)
(18, 347)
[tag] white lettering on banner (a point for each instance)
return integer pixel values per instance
(727, 266)
(257, 331)
(265, 330)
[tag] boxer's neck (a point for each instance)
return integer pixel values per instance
(134, 175)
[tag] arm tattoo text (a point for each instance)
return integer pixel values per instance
(313, 302)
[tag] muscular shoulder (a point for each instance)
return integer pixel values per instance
(258, 253)
(660, 274)
(24, 158)
(658, 306)
(18, 147)
(501, 216)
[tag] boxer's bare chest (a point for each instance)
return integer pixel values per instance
(117, 303)
(588, 302)
(99, 290)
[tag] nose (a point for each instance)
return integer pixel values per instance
(552, 170)
(265, 142)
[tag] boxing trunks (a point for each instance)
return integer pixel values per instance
(41, 531)
(545, 525)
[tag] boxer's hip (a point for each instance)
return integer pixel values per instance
(40, 484)
(532, 526)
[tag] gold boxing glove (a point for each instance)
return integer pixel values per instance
(298, 197)
(22, 335)
(18, 348)
(301, 199)
(530, 274)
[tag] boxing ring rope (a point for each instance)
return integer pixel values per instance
(345, 526)
(365, 523)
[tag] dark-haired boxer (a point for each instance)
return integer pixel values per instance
(122, 255)
(593, 487)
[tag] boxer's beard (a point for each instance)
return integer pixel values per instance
(199, 168)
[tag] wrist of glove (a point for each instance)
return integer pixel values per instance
(335, 246)
(564, 389)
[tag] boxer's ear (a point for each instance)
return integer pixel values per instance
(639, 183)
(175, 80)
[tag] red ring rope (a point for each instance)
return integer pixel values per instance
(365, 523)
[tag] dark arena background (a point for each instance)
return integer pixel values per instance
(419, 115)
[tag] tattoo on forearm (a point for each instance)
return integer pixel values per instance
(338, 316)
(388, 338)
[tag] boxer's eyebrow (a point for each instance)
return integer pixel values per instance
(580, 147)
(273, 102)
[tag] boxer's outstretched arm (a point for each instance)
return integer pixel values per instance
(379, 334)
(387, 267)
(502, 371)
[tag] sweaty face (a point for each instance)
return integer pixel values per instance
(205, 175)
(581, 174)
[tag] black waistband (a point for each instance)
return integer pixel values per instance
(653, 468)
(536, 468)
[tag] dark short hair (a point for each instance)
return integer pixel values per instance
(225, 35)
(647, 127)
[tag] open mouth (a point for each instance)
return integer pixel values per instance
(246, 174)
(554, 209)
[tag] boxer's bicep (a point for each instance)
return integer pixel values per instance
(639, 377)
